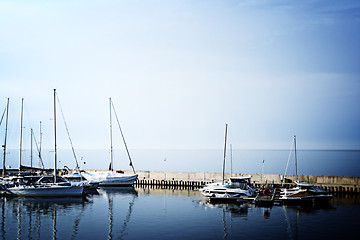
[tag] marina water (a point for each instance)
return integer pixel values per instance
(150, 213)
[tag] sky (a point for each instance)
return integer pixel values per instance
(178, 71)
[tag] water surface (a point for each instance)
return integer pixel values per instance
(148, 213)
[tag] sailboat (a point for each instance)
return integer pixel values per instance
(235, 189)
(28, 187)
(303, 192)
(111, 177)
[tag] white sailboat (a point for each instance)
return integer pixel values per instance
(111, 177)
(303, 192)
(52, 188)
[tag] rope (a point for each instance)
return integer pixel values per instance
(287, 164)
(122, 135)
(67, 130)
(39, 153)
(2, 116)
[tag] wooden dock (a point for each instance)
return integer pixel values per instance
(193, 184)
(333, 184)
(196, 184)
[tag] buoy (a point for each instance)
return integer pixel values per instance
(266, 192)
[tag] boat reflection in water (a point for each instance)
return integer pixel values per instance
(37, 217)
(68, 218)
(285, 220)
(235, 210)
(229, 211)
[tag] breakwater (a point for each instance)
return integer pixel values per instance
(335, 184)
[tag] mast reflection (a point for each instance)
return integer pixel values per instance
(114, 196)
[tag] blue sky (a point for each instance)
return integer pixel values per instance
(178, 71)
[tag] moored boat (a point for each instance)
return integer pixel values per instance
(44, 186)
(304, 193)
(75, 177)
(44, 190)
(239, 187)
(234, 189)
(41, 186)
(110, 178)
(265, 197)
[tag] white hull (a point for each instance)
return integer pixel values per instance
(304, 192)
(47, 191)
(111, 178)
(307, 199)
(221, 190)
(117, 183)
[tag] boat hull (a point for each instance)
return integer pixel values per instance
(315, 199)
(119, 182)
(212, 190)
(226, 198)
(111, 179)
(47, 191)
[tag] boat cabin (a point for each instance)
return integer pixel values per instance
(239, 182)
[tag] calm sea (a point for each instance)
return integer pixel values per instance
(310, 162)
(147, 213)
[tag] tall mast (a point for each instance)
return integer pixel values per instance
(296, 167)
(55, 153)
(111, 145)
(223, 175)
(230, 160)
(40, 147)
(4, 146)
(20, 146)
(123, 138)
(31, 148)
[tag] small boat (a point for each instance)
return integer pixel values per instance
(304, 193)
(265, 197)
(110, 178)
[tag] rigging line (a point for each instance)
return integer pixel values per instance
(223, 172)
(39, 151)
(40, 146)
(287, 164)
(111, 144)
(67, 130)
(122, 135)
(2, 116)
